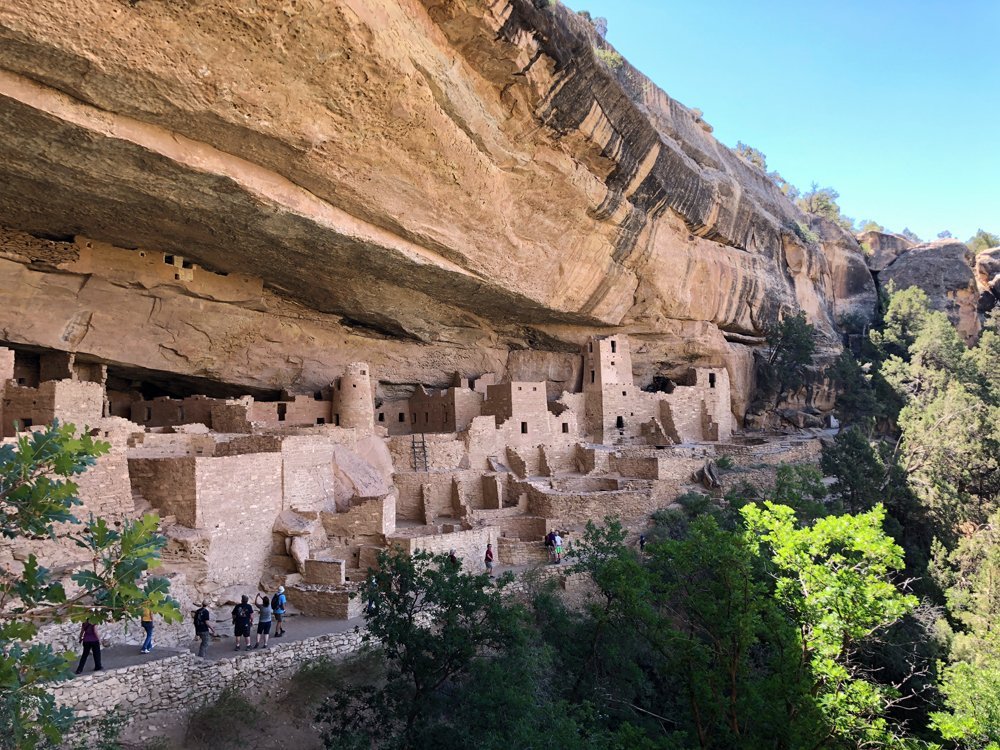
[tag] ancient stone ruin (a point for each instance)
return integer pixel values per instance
(304, 490)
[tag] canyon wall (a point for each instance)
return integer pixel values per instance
(431, 187)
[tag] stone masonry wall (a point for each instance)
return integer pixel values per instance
(166, 691)
(238, 499)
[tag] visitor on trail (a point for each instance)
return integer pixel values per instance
(147, 625)
(278, 608)
(453, 559)
(203, 629)
(242, 621)
(550, 545)
(489, 559)
(264, 621)
(557, 541)
(91, 644)
(642, 543)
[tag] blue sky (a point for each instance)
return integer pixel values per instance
(894, 104)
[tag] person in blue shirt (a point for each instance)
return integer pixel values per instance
(278, 605)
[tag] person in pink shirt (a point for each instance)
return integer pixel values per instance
(91, 644)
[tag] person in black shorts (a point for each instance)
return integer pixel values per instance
(242, 621)
(264, 622)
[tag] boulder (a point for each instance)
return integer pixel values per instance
(882, 248)
(943, 269)
(988, 278)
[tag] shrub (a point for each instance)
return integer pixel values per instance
(609, 57)
(315, 681)
(229, 722)
(805, 233)
(724, 462)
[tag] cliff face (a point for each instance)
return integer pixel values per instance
(430, 186)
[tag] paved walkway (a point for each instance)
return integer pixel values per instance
(298, 627)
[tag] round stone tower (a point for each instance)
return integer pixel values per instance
(353, 401)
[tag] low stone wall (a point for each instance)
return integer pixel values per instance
(516, 552)
(166, 691)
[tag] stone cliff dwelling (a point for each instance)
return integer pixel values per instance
(305, 489)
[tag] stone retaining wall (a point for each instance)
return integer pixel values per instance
(165, 691)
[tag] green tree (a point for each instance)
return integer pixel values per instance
(869, 225)
(436, 627)
(823, 202)
(792, 344)
(751, 155)
(860, 476)
(37, 498)
(983, 240)
(834, 578)
(911, 235)
(856, 398)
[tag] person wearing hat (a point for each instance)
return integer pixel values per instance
(278, 607)
(203, 629)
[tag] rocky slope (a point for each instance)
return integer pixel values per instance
(432, 186)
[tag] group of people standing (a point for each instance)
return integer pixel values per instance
(269, 609)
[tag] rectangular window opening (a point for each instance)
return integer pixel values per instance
(320, 420)
(282, 412)
(524, 428)
(620, 423)
(711, 380)
(381, 417)
(592, 376)
(336, 420)
(614, 346)
(168, 259)
(402, 416)
(565, 428)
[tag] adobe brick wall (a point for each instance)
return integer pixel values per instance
(238, 498)
(372, 518)
(469, 545)
(517, 552)
(580, 507)
(168, 484)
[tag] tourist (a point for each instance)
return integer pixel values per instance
(278, 608)
(557, 541)
(453, 559)
(242, 621)
(550, 545)
(147, 625)
(642, 543)
(264, 621)
(489, 559)
(203, 629)
(91, 645)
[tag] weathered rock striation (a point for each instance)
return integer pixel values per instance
(434, 184)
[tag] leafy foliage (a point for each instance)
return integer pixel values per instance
(983, 240)
(823, 202)
(37, 498)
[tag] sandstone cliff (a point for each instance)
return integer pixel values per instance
(441, 186)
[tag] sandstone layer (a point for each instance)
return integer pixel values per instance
(428, 186)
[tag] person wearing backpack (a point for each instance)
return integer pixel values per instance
(203, 629)
(263, 604)
(278, 608)
(242, 621)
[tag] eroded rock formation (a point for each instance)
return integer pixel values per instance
(433, 187)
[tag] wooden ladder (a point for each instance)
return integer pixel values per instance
(419, 452)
